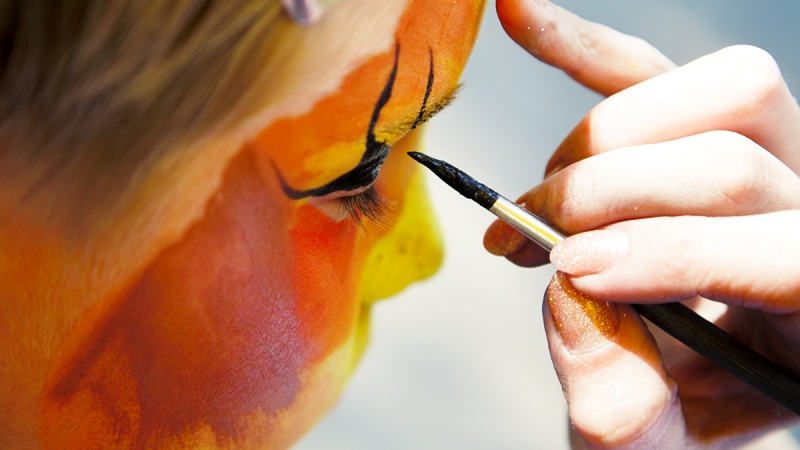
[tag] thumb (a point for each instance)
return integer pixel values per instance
(618, 392)
(600, 58)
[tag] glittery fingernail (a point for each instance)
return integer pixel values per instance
(584, 324)
(590, 252)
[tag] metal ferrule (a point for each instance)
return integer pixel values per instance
(527, 223)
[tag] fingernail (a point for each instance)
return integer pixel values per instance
(590, 252)
(503, 240)
(557, 168)
(584, 324)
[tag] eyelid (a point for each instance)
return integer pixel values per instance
(375, 153)
(429, 110)
(363, 175)
(339, 194)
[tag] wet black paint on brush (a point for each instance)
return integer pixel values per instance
(465, 185)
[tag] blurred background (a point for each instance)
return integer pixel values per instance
(460, 361)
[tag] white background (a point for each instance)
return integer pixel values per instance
(460, 361)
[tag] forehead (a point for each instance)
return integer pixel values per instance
(317, 132)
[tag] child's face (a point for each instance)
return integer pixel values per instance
(243, 328)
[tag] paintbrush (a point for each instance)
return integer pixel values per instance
(679, 321)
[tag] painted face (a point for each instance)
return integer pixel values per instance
(245, 323)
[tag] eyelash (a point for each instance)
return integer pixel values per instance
(369, 204)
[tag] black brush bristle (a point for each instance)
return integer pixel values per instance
(458, 180)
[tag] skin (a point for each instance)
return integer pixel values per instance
(215, 311)
(711, 149)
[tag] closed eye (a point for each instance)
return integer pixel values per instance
(367, 170)
(354, 194)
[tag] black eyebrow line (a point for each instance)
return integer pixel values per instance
(368, 168)
(372, 144)
(428, 90)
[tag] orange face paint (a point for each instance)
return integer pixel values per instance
(244, 330)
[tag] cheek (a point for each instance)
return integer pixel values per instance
(325, 264)
(412, 248)
(240, 333)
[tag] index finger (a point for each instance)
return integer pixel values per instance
(600, 58)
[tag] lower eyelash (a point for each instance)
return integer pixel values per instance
(369, 204)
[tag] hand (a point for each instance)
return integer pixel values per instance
(686, 173)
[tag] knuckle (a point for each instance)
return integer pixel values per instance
(587, 46)
(596, 129)
(743, 171)
(571, 195)
(756, 74)
(676, 254)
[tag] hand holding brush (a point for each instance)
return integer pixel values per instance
(681, 185)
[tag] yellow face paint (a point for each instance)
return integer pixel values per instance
(412, 250)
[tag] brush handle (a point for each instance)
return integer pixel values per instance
(676, 319)
(680, 322)
(725, 351)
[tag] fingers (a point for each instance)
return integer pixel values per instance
(737, 89)
(619, 394)
(711, 174)
(596, 56)
(748, 261)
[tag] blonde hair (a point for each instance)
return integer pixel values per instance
(94, 91)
